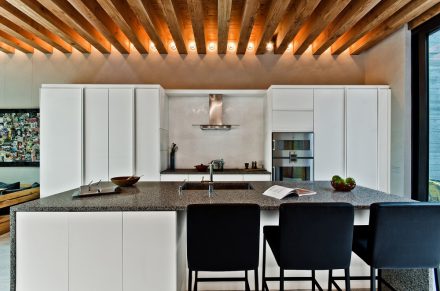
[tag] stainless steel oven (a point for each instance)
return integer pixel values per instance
(292, 156)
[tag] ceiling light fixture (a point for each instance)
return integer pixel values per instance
(250, 46)
(173, 46)
(231, 46)
(153, 47)
(289, 47)
(211, 46)
(192, 46)
(269, 46)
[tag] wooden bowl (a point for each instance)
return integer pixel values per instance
(201, 168)
(125, 181)
(343, 187)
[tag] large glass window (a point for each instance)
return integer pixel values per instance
(434, 115)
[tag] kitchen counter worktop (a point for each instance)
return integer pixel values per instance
(224, 172)
(164, 196)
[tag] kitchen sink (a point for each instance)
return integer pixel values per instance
(217, 186)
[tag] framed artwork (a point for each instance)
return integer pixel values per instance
(19, 137)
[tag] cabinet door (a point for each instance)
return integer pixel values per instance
(95, 135)
(149, 251)
(292, 99)
(95, 251)
(174, 178)
(256, 177)
(362, 136)
(329, 129)
(148, 158)
(121, 132)
(41, 251)
(61, 140)
(294, 121)
(228, 177)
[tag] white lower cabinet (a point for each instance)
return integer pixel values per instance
(149, 251)
(256, 177)
(42, 251)
(95, 251)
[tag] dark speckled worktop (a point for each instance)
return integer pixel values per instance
(161, 196)
(224, 172)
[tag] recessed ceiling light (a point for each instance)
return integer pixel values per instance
(211, 46)
(289, 47)
(231, 46)
(173, 46)
(250, 46)
(153, 47)
(192, 46)
(269, 46)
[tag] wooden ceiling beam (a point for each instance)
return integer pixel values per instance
(292, 22)
(46, 18)
(121, 13)
(97, 16)
(274, 16)
(174, 25)
(140, 10)
(21, 19)
(325, 13)
(195, 8)
(24, 35)
(427, 15)
(250, 11)
(63, 10)
(392, 24)
(16, 43)
(7, 49)
(348, 18)
(224, 17)
(377, 15)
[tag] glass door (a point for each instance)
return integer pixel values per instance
(434, 115)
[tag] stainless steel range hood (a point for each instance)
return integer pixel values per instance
(216, 114)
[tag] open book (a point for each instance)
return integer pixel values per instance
(281, 192)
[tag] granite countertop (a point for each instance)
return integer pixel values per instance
(164, 196)
(224, 172)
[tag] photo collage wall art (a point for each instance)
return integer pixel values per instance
(19, 137)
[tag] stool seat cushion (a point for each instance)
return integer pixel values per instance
(360, 242)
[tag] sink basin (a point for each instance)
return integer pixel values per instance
(217, 186)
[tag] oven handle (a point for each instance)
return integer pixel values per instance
(293, 157)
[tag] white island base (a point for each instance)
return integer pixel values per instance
(128, 251)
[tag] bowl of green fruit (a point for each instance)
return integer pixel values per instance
(344, 185)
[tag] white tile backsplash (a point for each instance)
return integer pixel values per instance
(241, 144)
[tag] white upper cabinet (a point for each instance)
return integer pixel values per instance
(362, 136)
(61, 140)
(121, 132)
(292, 99)
(96, 119)
(329, 129)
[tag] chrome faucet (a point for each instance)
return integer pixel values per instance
(211, 168)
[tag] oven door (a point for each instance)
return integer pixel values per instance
(285, 169)
(298, 143)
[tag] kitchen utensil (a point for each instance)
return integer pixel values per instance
(125, 181)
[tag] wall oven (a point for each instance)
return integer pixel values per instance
(292, 156)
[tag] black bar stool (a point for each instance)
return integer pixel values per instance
(223, 237)
(311, 236)
(403, 235)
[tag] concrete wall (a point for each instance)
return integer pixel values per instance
(390, 63)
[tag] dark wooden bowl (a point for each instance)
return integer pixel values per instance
(125, 181)
(343, 187)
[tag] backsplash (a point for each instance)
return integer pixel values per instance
(241, 144)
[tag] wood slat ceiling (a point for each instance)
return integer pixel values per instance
(206, 26)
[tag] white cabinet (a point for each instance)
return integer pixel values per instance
(256, 177)
(292, 121)
(95, 251)
(173, 177)
(41, 251)
(61, 139)
(96, 119)
(329, 133)
(149, 251)
(292, 99)
(121, 136)
(362, 136)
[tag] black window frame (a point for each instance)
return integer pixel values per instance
(420, 108)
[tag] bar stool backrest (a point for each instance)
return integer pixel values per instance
(316, 236)
(223, 237)
(404, 235)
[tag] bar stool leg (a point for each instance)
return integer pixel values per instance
(330, 276)
(436, 279)
(247, 288)
(256, 279)
(190, 280)
(372, 279)
(195, 281)
(379, 280)
(263, 279)
(347, 279)
(281, 279)
(313, 280)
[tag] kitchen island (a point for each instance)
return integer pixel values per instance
(136, 240)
